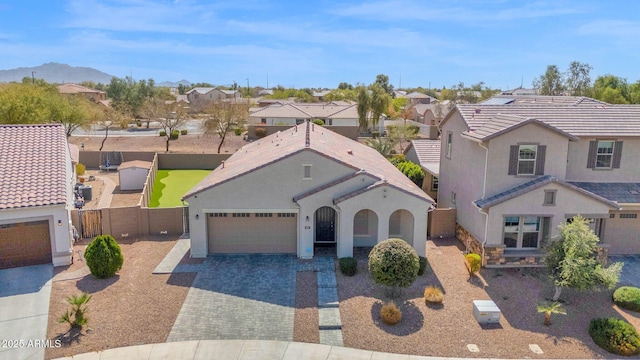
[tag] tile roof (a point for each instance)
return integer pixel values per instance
(541, 100)
(307, 111)
(428, 152)
(622, 193)
(308, 137)
(77, 89)
(501, 124)
(135, 164)
(34, 160)
(577, 120)
(534, 184)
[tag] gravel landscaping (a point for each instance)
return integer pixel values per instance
(447, 330)
(132, 308)
(305, 320)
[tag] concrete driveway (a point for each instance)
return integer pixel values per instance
(240, 297)
(630, 271)
(24, 311)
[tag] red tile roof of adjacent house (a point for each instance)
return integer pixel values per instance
(309, 137)
(33, 165)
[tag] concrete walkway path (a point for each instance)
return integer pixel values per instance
(24, 311)
(242, 350)
(107, 192)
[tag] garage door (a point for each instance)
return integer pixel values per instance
(24, 244)
(237, 233)
(622, 233)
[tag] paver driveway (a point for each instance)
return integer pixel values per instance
(240, 297)
(631, 269)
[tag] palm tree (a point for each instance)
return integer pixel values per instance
(550, 308)
(381, 145)
(78, 309)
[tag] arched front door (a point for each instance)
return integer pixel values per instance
(325, 221)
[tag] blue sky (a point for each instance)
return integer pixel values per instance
(322, 43)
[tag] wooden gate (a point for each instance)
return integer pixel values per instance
(90, 223)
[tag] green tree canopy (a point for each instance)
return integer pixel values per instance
(572, 263)
(551, 82)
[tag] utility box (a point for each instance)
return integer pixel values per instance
(486, 312)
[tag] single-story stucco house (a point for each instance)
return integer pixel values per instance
(133, 174)
(301, 188)
(36, 193)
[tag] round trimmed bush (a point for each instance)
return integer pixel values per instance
(183, 132)
(393, 262)
(627, 297)
(318, 122)
(390, 314)
(260, 132)
(163, 133)
(174, 135)
(615, 335)
(473, 262)
(348, 266)
(103, 256)
(423, 265)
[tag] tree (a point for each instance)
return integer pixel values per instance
(172, 117)
(379, 103)
(383, 81)
(572, 263)
(447, 94)
(550, 308)
(364, 100)
(381, 145)
(345, 86)
(394, 263)
(104, 257)
(611, 89)
(345, 94)
(401, 134)
(413, 171)
(224, 116)
(551, 83)
(578, 78)
(78, 309)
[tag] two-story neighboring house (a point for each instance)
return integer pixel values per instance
(202, 96)
(514, 172)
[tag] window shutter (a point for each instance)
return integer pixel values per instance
(591, 159)
(540, 156)
(617, 155)
(513, 160)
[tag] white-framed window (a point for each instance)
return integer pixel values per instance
(527, 159)
(522, 232)
(449, 145)
(434, 183)
(549, 197)
(604, 154)
(307, 172)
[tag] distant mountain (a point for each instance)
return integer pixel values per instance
(174, 84)
(56, 73)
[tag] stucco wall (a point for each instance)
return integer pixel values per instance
(462, 174)
(568, 202)
(499, 180)
(442, 222)
(629, 170)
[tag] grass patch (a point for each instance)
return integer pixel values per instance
(171, 185)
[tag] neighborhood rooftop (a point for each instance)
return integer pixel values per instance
(33, 159)
(308, 136)
(576, 120)
(307, 111)
(428, 152)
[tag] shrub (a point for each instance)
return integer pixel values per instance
(473, 262)
(413, 171)
(423, 265)
(616, 336)
(174, 135)
(183, 132)
(348, 266)
(318, 122)
(433, 294)
(103, 256)
(163, 133)
(627, 297)
(78, 308)
(237, 131)
(394, 263)
(390, 314)
(80, 169)
(260, 132)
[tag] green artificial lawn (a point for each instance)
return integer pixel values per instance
(171, 185)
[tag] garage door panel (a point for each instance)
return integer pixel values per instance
(24, 244)
(252, 234)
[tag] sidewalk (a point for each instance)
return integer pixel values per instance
(242, 350)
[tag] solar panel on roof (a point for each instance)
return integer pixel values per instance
(497, 101)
